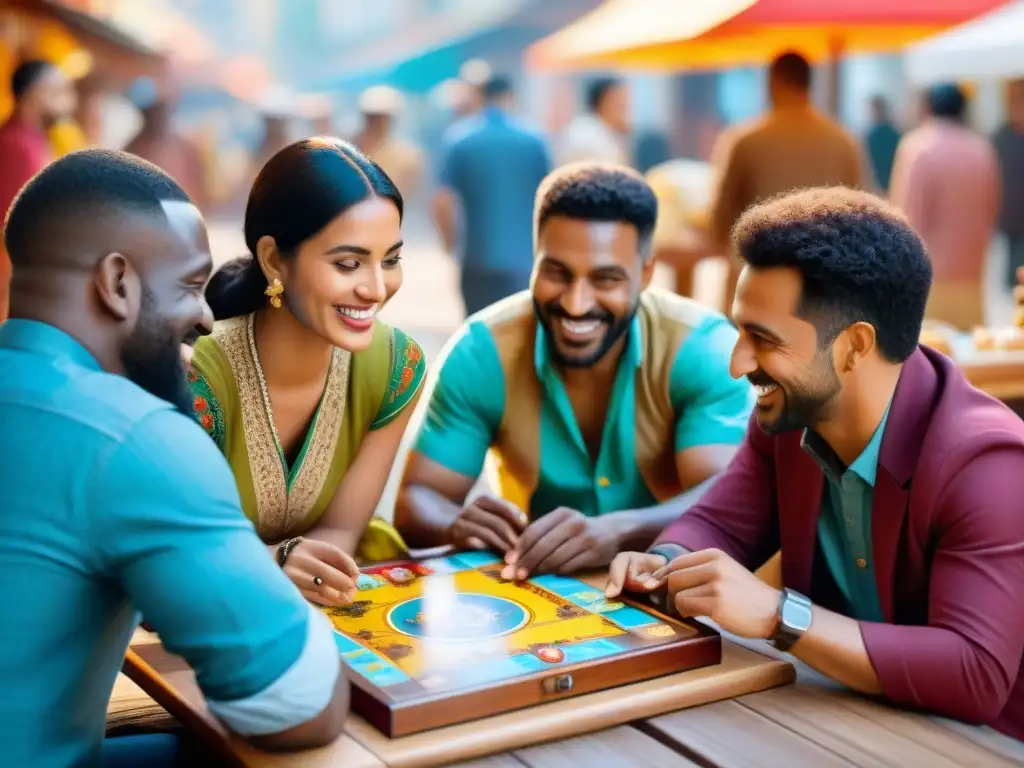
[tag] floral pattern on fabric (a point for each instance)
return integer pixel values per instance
(408, 370)
(206, 408)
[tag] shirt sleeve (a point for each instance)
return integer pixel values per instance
(466, 403)
(712, 406)
(173, 535)
(207, 408)
(964, 663)
(408, 369)
(450, 173)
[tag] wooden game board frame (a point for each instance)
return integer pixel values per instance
(701, 647)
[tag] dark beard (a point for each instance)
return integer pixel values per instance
(804, 403)
(151, 357)
(616, 330)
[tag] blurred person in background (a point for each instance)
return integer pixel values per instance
(43, 95)
(1009, 145)
(946, 180)
(793, 145)
(603, 131)
(159, 141)
(881, 141)
(490, 174)
(380, 106)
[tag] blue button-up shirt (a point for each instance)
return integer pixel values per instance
(113, 504)
(494, 164)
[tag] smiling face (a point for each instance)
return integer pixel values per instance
(341, 277)
(586, 286)
(778, 351)
(174, 266)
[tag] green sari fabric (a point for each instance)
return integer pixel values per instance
(364, 391)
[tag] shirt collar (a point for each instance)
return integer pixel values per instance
(864, 466)
(41, 338)
(633, 354)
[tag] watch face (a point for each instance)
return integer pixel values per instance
(796, 612)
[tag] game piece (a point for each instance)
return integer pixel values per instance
(447, 640)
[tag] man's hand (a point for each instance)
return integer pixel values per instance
(562, 541)
(633, 572)
(488, 523)
(710, 583)
(312, 559)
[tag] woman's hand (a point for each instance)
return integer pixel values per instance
(324, 573)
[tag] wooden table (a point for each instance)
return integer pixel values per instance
(812, 722)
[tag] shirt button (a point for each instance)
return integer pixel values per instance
(604, 482)
(862, 563)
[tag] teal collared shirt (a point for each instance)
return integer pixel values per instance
(468, 401)
(844, 524)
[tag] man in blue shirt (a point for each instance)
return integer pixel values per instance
(490, 174)
(117, 504)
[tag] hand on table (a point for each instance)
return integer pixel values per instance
(488, 523)
(337, 570)
(710, 583)
(562, 541)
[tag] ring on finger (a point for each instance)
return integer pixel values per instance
(317, 581)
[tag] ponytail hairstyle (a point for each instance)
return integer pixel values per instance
(300, 190)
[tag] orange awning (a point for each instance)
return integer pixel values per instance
(669, 35)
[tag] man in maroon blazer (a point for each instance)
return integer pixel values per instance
(894, 488)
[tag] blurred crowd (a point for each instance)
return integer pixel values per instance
(961, 190)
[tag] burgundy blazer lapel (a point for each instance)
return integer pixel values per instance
(800, 484)
(909, 413)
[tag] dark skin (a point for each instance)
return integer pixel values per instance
(584, 270)
(94, 293)
(775, 340)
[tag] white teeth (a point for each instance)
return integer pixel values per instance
(580, 327)
(358, 314)
(765, 389)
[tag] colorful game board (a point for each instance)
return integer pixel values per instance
(439, 627)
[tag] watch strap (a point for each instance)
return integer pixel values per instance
(668, 550)
(794, 619)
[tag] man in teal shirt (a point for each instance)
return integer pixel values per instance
(116, 503)
(607, 405)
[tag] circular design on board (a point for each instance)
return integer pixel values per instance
(458, 618)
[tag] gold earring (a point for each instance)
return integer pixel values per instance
(274, 291)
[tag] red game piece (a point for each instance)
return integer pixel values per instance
(550, 655)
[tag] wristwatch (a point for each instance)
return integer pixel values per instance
(795, 614)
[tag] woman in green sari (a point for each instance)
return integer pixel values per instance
(304, 390)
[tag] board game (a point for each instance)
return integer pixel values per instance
(441, 641)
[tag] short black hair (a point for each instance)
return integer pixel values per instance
(947, 100)
(28, 74)
(86, 185)
(858, 258)
(793, 69)
(595, 191)
(300, 190)
(597, 89)
(497, 86)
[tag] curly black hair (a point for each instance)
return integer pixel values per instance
(858, 257)
(599, 192)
